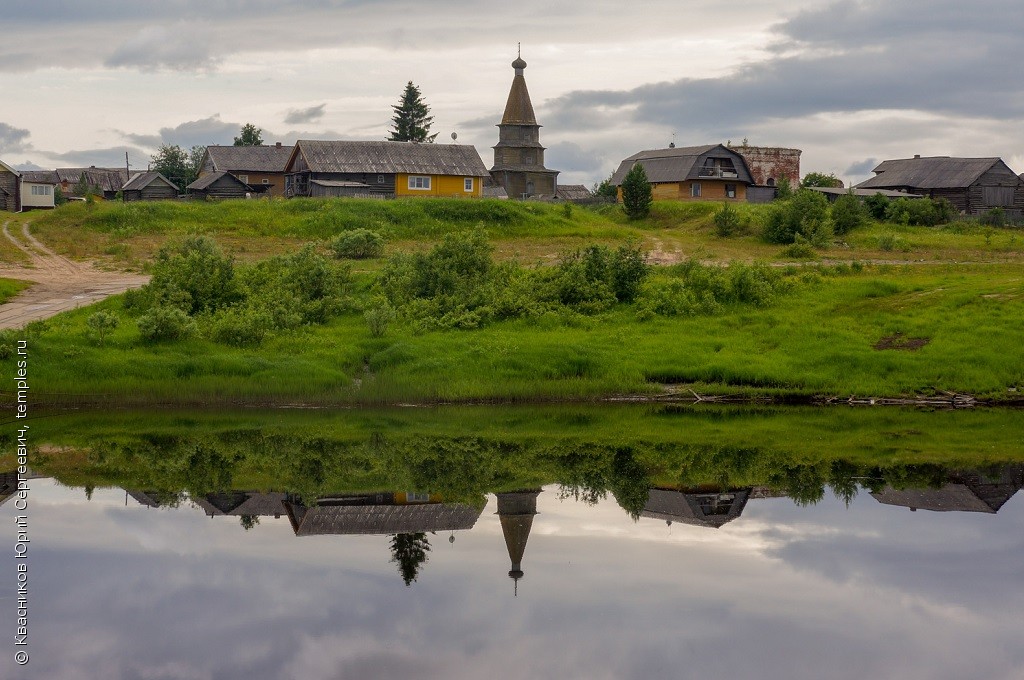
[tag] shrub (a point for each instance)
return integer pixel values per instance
(848, 213)
(240, 326)
(378, 317)
(807, 214)
(800, 250)
(358, 244)
(102, 323)
(877, 206)
(919, 211)
(995, 217)
(727, 221)
(703, 289)
(165, 323)
(890, 242)
(194, 275)
(637, 195)
(302, 287)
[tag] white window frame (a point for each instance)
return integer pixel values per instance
(244, 179)
(467, 184)
(419, 182)
(695, 190)
(266, 180)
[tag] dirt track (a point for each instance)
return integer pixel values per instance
(60, 284)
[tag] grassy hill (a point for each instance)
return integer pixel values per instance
(886, 310)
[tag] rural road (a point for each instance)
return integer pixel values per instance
(60, 284)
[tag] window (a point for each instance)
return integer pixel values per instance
(40, 190)
(243, 178)
(467, 184)
(730, 191)
(380, 179)
(266, 181)
(695, 190)
(419, 182)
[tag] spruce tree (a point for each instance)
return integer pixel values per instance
(412, 118)
(637, 195)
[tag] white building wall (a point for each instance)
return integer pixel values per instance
(35, 195)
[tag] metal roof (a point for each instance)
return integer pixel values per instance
(250, 158)
(935, 172)
(390, 158)
(679, 163)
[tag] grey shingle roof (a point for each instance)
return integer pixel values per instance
(249, 158)
(936, 172)
(677, 164)
(380, 519)
(144, 179)
(391, 157)
(40, 176)
(571, 192)
(107, 179)
(690, 508)
(208, 179)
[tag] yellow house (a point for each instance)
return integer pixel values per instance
(693, 173)
(384, 169)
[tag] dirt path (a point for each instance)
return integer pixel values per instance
(60, 284)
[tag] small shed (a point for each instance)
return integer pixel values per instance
(38, 188)
(220, 184)
(10, 188)
(573, 192)
(150, 186)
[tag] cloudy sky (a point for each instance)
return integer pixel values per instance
(849, 83)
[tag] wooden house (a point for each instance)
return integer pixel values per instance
(219, 184)
(964, 491)
(697, 507)
(106, 182)
(383, 169)
(38, 189)
(149, 186)
(10, 189)
(692, 173)
(972, 185)
(261, 167)
(573, 192)
(382, 513)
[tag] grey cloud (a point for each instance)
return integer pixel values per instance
(308, 115)
(180, 47)
(13, 139)
(106, 157)
(202, 132)
(568, 156)
(863, 167)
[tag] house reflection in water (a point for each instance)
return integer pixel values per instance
(698, 507)
(964, 491)
(388, 512)
(515, 512)
(242, 504)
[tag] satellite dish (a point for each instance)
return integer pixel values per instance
(454, 136)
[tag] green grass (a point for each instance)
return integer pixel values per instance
(817, 339)
(11, 287)
(463, 452)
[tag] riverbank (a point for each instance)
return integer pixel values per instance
(787, 333)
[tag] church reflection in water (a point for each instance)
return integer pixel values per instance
(408, 517)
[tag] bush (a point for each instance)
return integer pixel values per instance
(102, 323)
(919, 211)
(727, 221)
(593, 279)
(240, 326)
(995, 217)
(703, 289)
(848, 213)
(193, 275)
(890, 242)
(807, 214)
(166, 323)
(800, 250)
(302, 287)
(877, 206)
(358, 244)
(378, 317)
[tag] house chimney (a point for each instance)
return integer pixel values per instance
(917, 155)
(277, 144)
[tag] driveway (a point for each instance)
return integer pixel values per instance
(60, 284)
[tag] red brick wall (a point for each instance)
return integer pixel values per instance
(770, 162)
